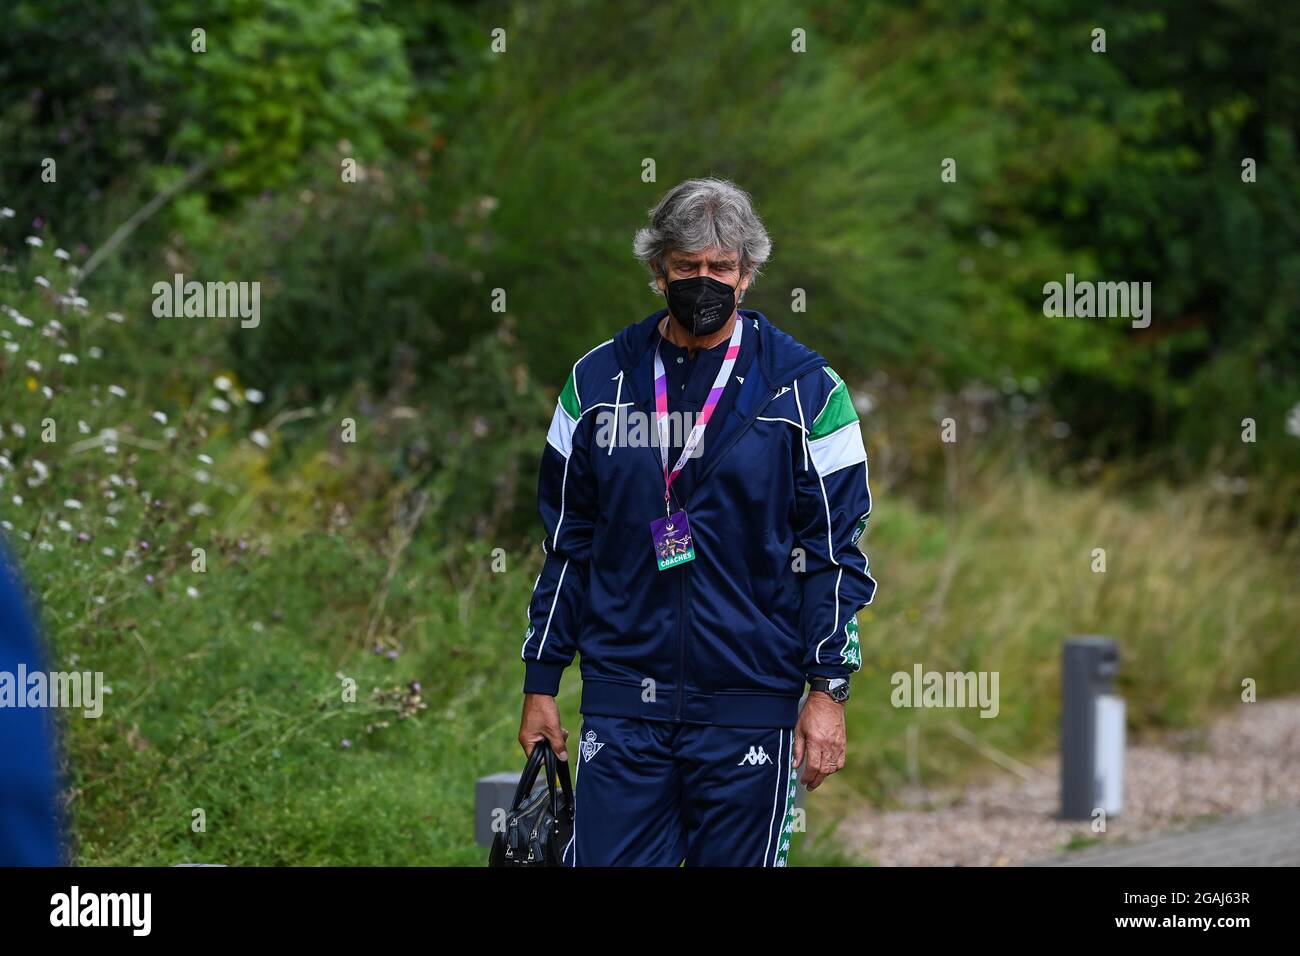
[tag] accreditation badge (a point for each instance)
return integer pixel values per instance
(672, 540)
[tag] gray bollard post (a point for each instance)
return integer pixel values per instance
(1092, 729)
(492, 793)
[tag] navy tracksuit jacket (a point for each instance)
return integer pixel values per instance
(692, 676)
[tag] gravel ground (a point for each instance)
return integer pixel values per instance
(1241, 764)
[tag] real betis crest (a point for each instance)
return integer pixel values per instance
(590, 746)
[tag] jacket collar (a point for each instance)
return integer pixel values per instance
(781, 359)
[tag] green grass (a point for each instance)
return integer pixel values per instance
(1196, 601)
(210, 711)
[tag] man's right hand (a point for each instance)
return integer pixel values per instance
(541, 720)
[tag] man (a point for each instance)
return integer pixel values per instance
(704, 575)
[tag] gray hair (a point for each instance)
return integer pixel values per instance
(700, 213)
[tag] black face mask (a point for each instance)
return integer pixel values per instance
(701, 304)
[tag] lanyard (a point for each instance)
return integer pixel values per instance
(715, 395)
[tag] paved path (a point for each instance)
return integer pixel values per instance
(1241, 769)
(1270, 838)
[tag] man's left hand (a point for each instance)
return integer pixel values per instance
(819, 735)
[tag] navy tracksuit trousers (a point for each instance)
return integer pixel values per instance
(658, 793)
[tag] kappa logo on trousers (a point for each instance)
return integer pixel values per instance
(756, 755)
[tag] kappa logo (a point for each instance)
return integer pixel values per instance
(756, 755)
(590, 747)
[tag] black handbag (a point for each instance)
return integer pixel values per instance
(539, 823)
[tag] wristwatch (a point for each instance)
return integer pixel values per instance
(837, 687)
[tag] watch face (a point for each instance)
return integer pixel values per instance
(839, 689)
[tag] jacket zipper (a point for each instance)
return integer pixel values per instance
(681, 586)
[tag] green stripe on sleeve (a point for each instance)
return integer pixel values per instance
(839, 410)
(569, 399)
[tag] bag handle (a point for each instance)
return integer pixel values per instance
(544, 756)
(529, 776)
(556, 767)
